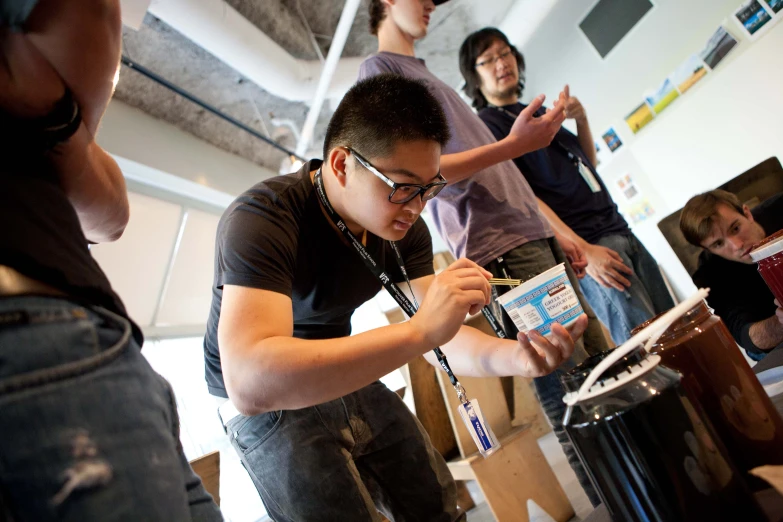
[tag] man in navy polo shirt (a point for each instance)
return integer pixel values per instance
(624, 285)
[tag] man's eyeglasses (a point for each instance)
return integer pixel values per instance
(404, 192)
(490, 62)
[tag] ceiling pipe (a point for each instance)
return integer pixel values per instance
(220, 30)
(204, 105)
(330, 66)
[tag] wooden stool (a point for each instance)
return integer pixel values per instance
(516, 473)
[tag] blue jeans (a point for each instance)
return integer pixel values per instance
(523, 263)
(647, 296)
(346, 459)
(89, 430)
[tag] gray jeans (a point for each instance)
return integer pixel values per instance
(89, 431)
(523, 263)
(346, 460)
(647, 296)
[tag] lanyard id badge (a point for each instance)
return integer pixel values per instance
(469, 410)
(479, 430)
(588, 176)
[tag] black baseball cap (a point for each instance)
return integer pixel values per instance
(438, 2)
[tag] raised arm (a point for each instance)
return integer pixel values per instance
(73, 44)
(527, 134)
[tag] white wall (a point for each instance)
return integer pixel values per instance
(729, 121)
(130, 133)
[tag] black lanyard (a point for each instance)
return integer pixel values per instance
(391, 287)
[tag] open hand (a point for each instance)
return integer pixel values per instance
(537, 356)
(607, 267)
(530, 133)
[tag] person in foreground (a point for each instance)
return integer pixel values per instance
(88, 430)
(321, 437)
(726, 229)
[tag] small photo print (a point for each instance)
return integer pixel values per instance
(752, 16)
(660, 98)
(775, 5)
(688, 73)
(717, 47)
(639, 117)
(612, 140)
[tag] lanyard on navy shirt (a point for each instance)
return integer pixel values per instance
(402, 300)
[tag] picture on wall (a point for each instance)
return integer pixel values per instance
(718, 46)
(639, 117)
(688, 73)
(661, 97)
(612, 140)
(752, 16)
(775, 5)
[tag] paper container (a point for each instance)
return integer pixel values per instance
(540, 302)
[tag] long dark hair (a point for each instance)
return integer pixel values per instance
(473, 46)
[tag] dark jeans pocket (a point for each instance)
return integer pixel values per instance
(249, 432)
(46, 345)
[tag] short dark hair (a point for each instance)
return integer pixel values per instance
(698, 213)
(379, 112)
(377, 14)
(473, 47)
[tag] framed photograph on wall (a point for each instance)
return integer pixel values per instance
(753, 18)
(718, 46)
(776, 6)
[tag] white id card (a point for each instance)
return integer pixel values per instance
(482, 435)
(589, 178)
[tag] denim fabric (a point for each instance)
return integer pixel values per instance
(346, 459)
(523, 263)
(89, 430)
(647, 296)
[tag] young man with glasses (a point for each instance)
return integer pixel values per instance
(487, 213)
(321, 437)
(624, 284)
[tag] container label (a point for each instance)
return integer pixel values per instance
(553, 301)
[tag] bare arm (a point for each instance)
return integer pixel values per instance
(266, 369)
(527, 134)
(768, 333)
(472, 353)
(73, 43)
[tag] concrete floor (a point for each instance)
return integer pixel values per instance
(567, 478)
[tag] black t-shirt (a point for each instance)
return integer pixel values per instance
(275, 237)
(738, 293)
(41, 237)
(555, 178)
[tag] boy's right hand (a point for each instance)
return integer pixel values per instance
(530, 133)
(461, 289)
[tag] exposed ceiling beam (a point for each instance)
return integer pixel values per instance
(222, 31)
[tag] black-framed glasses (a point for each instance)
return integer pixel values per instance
(404, 192)
(490, 62)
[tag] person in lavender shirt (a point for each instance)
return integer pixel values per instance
(488, 212)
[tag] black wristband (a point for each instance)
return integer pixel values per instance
(40, 135)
